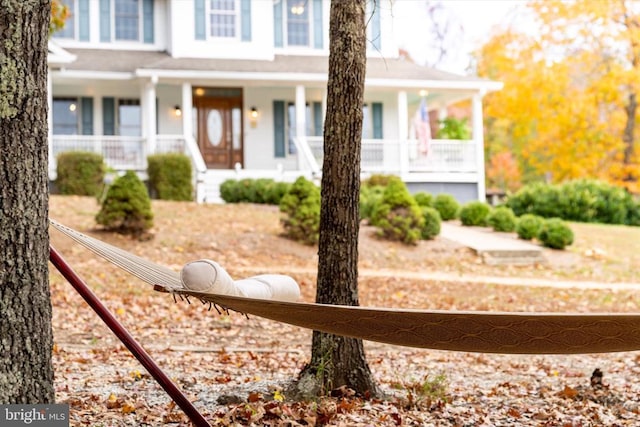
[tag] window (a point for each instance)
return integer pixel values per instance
(129, 117)
(298, 23)
(127, 19)
(69, 30)
(223, 18)
(65, 116)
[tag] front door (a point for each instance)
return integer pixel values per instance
(219, 122)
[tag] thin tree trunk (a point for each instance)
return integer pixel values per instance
(339, 361)
(26, 339)
(628, 136)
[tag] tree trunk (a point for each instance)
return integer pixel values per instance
(26, 339)
(339, 361)
(628, 136)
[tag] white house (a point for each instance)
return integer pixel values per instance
(240, 86)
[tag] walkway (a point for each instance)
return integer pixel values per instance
(494, 248)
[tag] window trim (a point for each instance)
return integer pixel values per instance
(237, 22)
(140, 38)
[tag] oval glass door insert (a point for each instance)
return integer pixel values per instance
(214, 127)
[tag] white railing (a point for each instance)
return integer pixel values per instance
(119, 152)
(392, 156)
(170, 144)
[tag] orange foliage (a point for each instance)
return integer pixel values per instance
(59, 14)
(503, 172)
(562, 110)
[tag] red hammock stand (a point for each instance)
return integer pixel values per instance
(127, 339)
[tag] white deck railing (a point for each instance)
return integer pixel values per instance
(389, 156)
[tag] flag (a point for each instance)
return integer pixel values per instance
(422, 127)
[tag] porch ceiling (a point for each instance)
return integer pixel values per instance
(283, 69)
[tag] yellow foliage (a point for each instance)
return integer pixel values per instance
(562, 112)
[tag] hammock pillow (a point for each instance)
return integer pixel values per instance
(208, 276)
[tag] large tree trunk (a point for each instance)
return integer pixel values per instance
(26, 339)
(338, 361)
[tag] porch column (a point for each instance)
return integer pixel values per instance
(403, 132)
(301, 118)
(478, 141)
(324, 105)
(149, 114)
(187, 110)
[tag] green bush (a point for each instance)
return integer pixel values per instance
(502, 218)
(453, 128)
(432, 221)
(555, 234)
(423, 199)
(474, 213)
(262, 190)
(81, 173)
(301, 208)
(447, 206)
(370, 196)
(170, 176)
(126, 208)
(397, 215)
(633, 212)
(580, 200)
(528, 226)
(378, 180)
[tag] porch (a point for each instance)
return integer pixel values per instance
(441, 161)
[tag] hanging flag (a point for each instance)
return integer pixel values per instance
(423, 129)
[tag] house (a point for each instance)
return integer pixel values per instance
(240, 87)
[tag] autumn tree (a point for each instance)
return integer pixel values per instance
(338, 361)
(569, 105)
(26, 339)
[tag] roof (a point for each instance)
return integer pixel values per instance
(288, 67)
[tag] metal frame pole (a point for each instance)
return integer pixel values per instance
(127, 339)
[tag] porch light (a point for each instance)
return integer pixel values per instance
(253, 117)
(72, 107)
(177, 111)
(297, 9)
(424, 92)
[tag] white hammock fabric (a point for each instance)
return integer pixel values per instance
(273, 296)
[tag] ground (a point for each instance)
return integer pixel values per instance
(234, 369)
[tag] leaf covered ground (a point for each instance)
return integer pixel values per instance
(235, 369)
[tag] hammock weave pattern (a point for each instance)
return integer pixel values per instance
(469, 331)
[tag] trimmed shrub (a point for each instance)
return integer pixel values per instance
(398, 216)
(126, 208)
(432, 221)
(80, 173)
(633, 212)
(528, 226)
(447, 206)
(370, 196)
(423, 199)
(378, 180)
(502, 218)
(301, 208)
(170, 176)
(474, 213)
(262, 190)
(555, 234)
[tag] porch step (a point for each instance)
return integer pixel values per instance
(494, 248)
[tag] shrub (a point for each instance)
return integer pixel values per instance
(431, 227)
(447, 206)
(528, 226)
(126, 208)
(275, 191)
(555, 234)
(398, 216)
(633, 212)
(474, 213)
(378, 180)
(502, 219)
(370, 196)
(423, 199)
(230, 191)
(170, 176)
(301, 208)
(81, 173)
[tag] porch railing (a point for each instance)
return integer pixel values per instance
(393, 156)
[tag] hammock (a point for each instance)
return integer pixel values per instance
(468, 331)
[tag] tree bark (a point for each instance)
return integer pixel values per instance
(26, 339)
(339, 361)
(628, 136)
